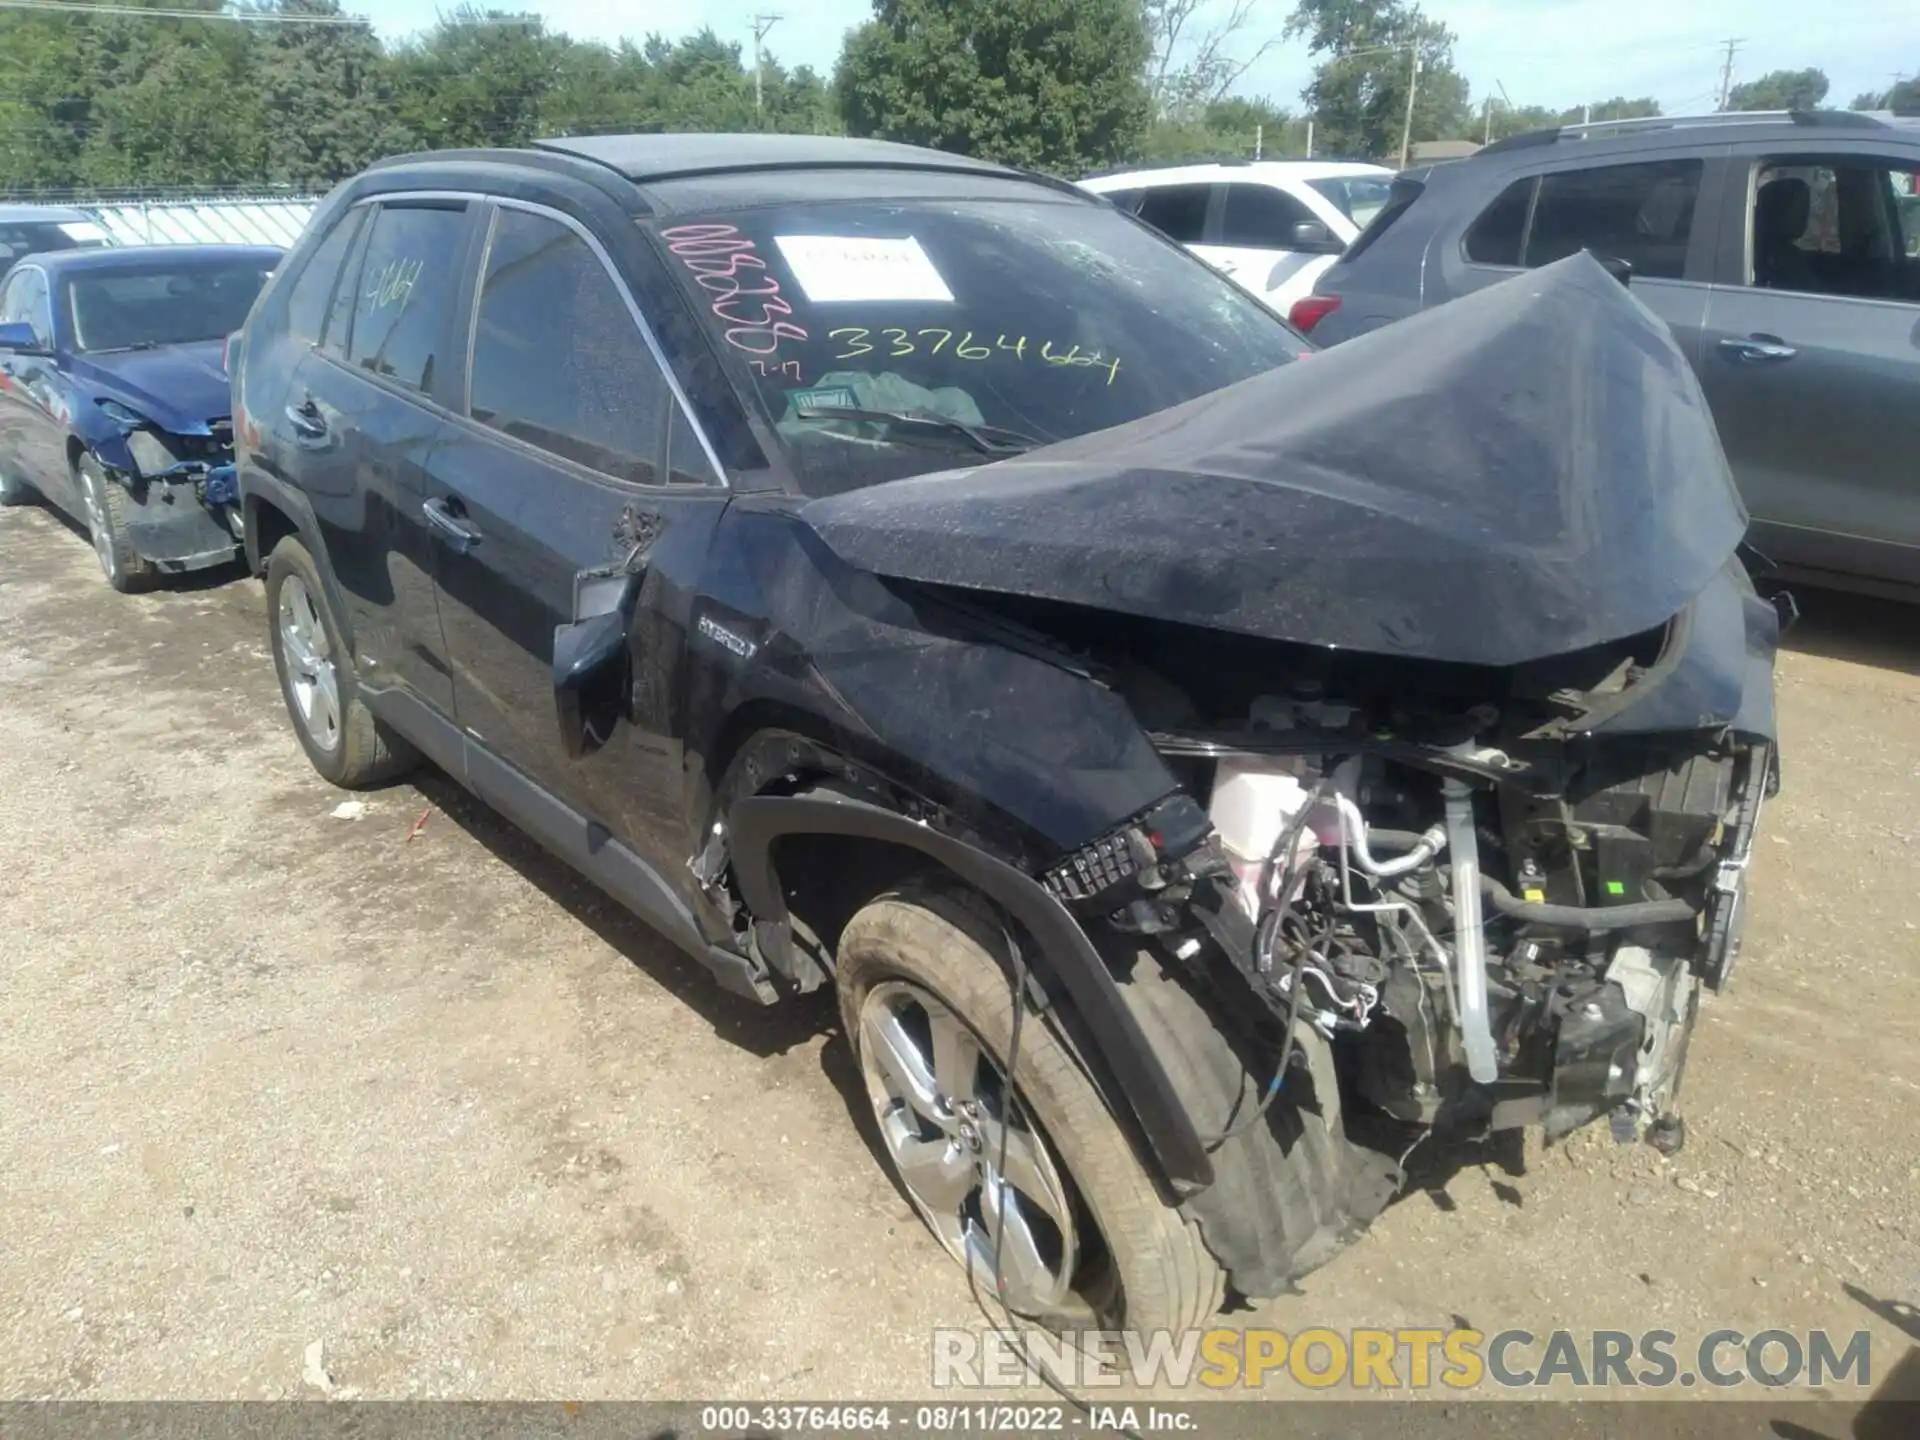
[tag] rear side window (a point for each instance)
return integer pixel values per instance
(406, 286)
(312, 293)
(1177, 211)
(1639, 213)
(1400, 198)
(1262, 216)
(557, 359)
(1494, 239)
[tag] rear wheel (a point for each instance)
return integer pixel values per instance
(336, 729)
(1027, 1181)
(106, 506)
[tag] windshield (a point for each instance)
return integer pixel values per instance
(1022, 322)
(121, 309)
(1359, 197)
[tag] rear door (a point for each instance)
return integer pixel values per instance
(1812, 354)
(361, 420)
(571, 455)
(1182, 213)
(1256, 245)
(1650, 213)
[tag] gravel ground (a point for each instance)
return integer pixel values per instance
(270, 1077)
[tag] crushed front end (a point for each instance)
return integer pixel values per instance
(1464, 701)
(185, 512)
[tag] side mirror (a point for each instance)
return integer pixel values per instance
(1621, 270)
(592, 671)
(18, 337)
(1316, 238)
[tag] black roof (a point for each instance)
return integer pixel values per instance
(644, 158)
(1663, 131)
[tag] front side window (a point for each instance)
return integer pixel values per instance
(405, 287)
(557, 359)
(988, 325)
(1178, 212)
(25, 303)
(1842, 226)
(1641, 213)
(1261, 216)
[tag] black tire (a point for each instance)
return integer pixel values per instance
(363, 752)
(1290, 1190)
(106, 505)
(1150, 1269)
(14, 491)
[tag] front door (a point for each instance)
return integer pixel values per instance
(1812, 356)
(559, 475)
(360, 426)
(1257, 245)
(33, 394)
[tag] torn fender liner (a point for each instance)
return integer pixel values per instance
(1527, 471)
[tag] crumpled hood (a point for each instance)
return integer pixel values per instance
(1527, 471)
(179, 387)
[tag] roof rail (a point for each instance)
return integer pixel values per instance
(1606, 129)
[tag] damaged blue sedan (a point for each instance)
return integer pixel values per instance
(114, 398)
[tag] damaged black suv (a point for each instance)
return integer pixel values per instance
(1202, 768)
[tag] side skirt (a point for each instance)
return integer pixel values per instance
(586, 845)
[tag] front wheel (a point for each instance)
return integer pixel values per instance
(106, 503)
(1026, 1180)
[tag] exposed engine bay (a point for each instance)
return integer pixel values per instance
(1497, 920)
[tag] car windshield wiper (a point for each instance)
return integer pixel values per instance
(987, 439)
(136, 345)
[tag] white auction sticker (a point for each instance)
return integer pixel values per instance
(860, 267)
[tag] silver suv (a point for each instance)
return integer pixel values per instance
(1782, 249)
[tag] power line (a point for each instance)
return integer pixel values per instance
(262, 17)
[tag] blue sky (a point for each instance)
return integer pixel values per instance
(1547, 52)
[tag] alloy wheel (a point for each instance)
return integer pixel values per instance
(99, 528)
(974, 1164)
(313, 678)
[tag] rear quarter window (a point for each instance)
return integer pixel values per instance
(1399, 200)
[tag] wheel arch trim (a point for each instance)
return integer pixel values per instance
(1134, 1083)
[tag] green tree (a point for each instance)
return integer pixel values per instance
(1053, 84)
(1903, 98)
(477, 78)
(172, 104)
(1359, 92)
(1234, 127)
(1781, 90)
(326, 99)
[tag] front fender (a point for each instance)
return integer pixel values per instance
(1126, 1070)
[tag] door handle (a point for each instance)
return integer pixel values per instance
(458, 531)
(307, 420)
(1758, 349)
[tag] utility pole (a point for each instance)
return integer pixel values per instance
(1726, 72)
(1413, 89)
(1309, 137)
(1259, 137)
(761, 25)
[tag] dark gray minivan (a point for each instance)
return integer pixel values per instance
(1782, 249)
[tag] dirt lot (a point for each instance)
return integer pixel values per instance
(270, 1077)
